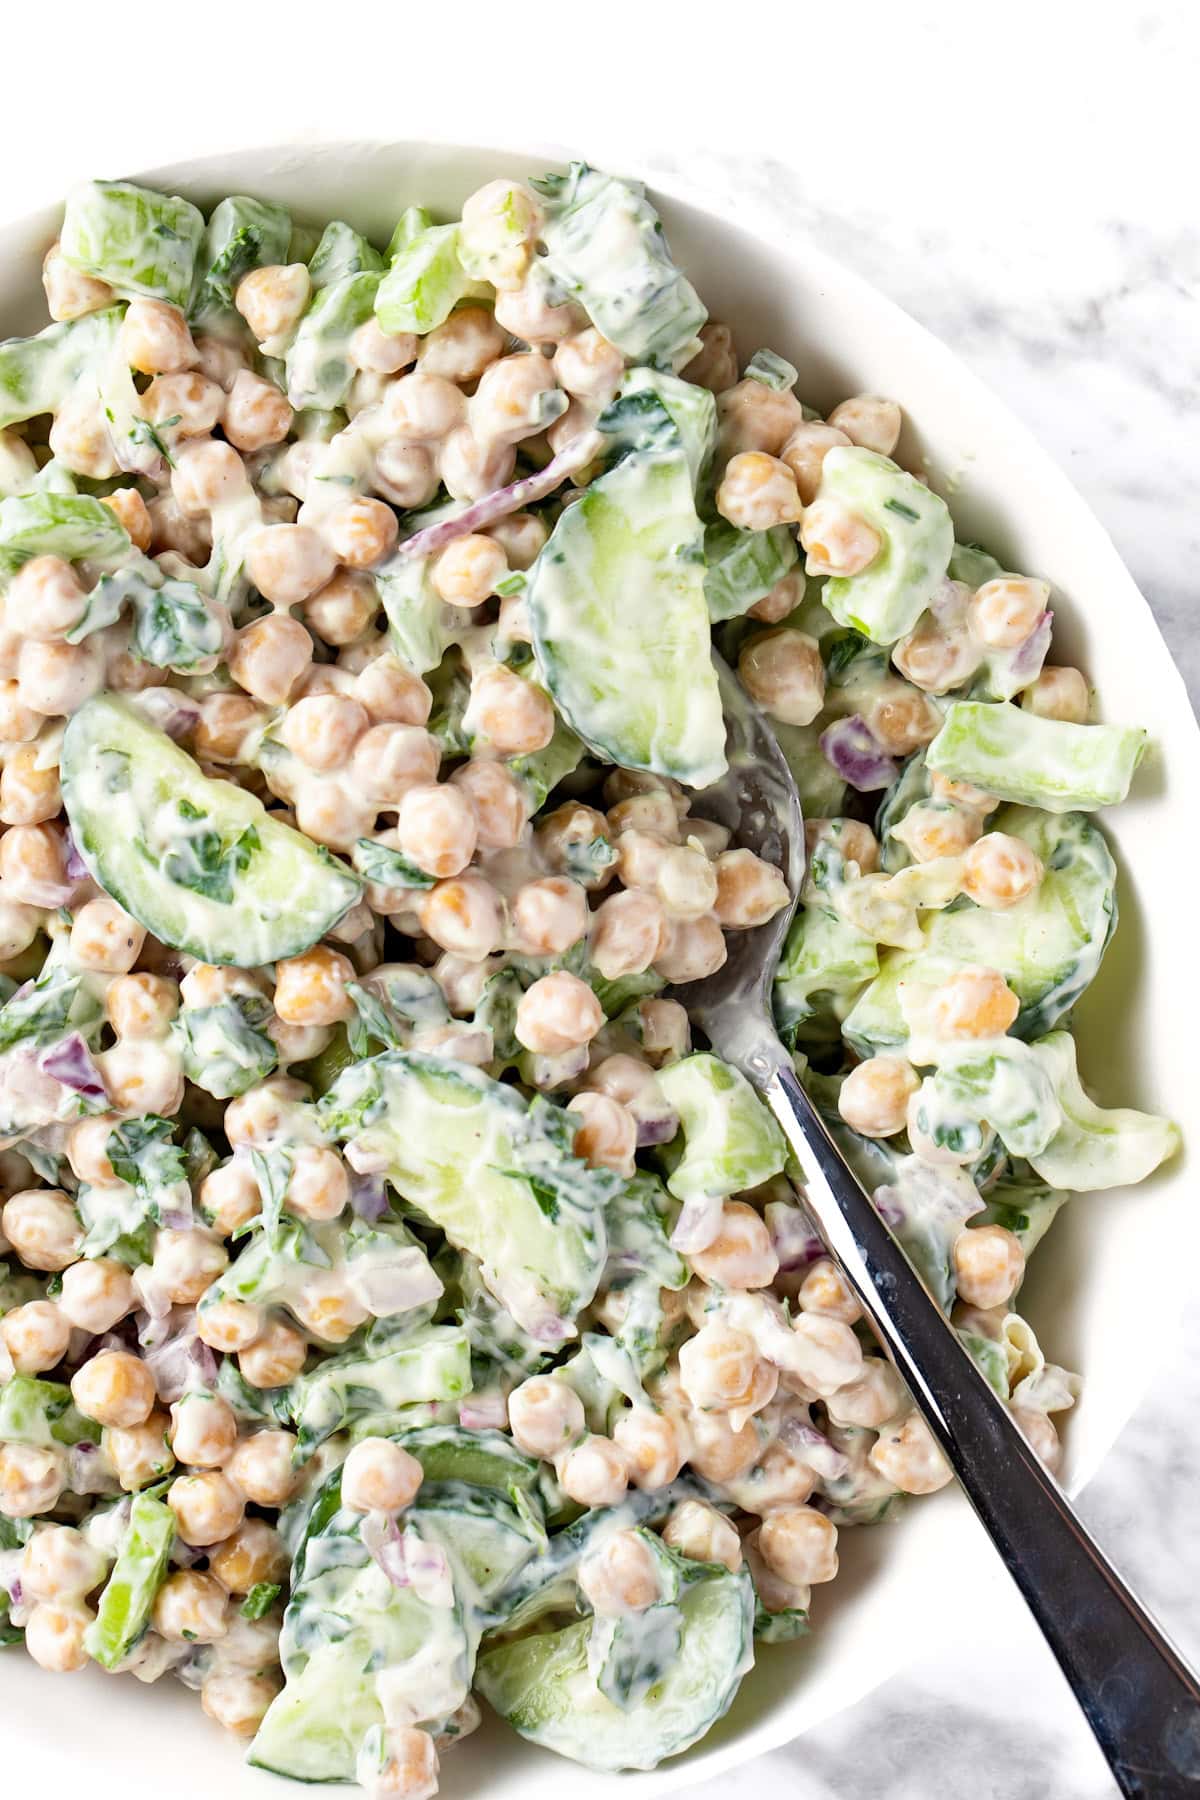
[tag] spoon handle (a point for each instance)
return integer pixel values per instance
(1137, 1694)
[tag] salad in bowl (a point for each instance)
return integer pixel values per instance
(399, 1308)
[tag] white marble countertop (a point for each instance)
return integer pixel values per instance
(1024, 184)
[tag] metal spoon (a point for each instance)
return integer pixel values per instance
(1137, 1693)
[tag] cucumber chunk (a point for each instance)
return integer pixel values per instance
(198, 862)
(885, 601)
(543, 1687)
(138, 1573)
(731, 1141)
(139, 241)
(1095, 1147)
(620, 586)
(1049, 763)
(496, 1174)
(1048, 947)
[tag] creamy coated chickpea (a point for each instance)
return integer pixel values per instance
(392, 1295)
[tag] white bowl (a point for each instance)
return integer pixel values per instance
(1105, 1291)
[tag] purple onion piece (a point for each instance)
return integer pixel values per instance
(1028, 657)
(502, 502)
(657, 1130)
(171, 711)
(202, 1359)
(178, 1218)
(484, 1411)
(75, 867)
(793, 1239)
(892, 1215)
(387, 1289)
(70, 1062)
(854, 753)
(368, 1196)
(16, 1592)
(698, 1224)
(812, 1447)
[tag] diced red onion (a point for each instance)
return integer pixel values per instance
(793, 1239)
(1028, 657)
(486, 1410)
(660, 1128)
(75, 867)
(949, 602)
(87, 1471)
(368, 1196)
(70, 1063)
(502, 502)
(812, 1447)
(407, 1561)
(166, 707)
(16, 1592)
(178, 1218)
(854, 753)
(396, 1286)
(181, 1364)
(698, 1224)
(149, 1290)
(891, 1214)
(49, 895)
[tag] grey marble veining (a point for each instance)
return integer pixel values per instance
(1090, 333)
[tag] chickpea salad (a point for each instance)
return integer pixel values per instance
(397, 1308)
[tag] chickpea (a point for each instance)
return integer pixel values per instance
(155, 339)
(60, 1564)
(390, 759)
(741, 1255)
(45, 598)
(961, 793)
(527, 313)
(620, 1575)
(1058, 693)
(263, 1114)
(521, 536)
(183, 406)
(932, 829)
(229, 1197)
(328, 811)
(874, 1097)
(69, 292)
(436, 828)
(826, 1290)
(511, 714)
(907, 1456)
(254, 1553)
(140, 1454)
(698, 1531)
(989, 1265)
(758, 492)
(203, 1430)
(392, 694)
(272, 300)
(310, 989)
(869, 421)
(464, 915)
(714, 365)
(838, 541)
(720, 1450)
(463, 346)
(141, 1006)
(56, 679)
(498, 801)
(19, 724)
(902, 719)
(628, 934)
(779, 601)
(587, 365)
(651, 1445)
(207, 1508)
(500, 222)
(1006, 610)
(262, 1467)
(187, 534)
(404, 473)
(783, 673)
(999, 871)
(651, 814)
(545, 1416)
(799, 1544)
(411, 1769)
(54, 1636)
(1041, 1436)
(594, 1472)
(80, 438)
(114, 1388)
(378, 1476)
(227, 727)
(805, 452)
(322, 729)
(228, 1325)
(694, 948)
(468, 570)
(360, 532)
(269, 657)
(686, 882)
(749, 890)
(31, 1480)
(565, 838)
(41, 1226)
(343, 609)
(516, 397)
(190, 1607)
(256, 413)
(274, 1358)
(975, 1003)
(36, 1336)
(557, 1013)
(607, 1135)
(106, 938)
(238, 1702)
(289, 563)
(935, 658)
(717, 1368)
(87, 1149)
(870, 1401)
(755, 417)
(186, 1263)
(422, 408)
(856, 841)
(550, 915)
(319, 1185)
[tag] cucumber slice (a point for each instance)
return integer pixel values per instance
(889, 596)
(1048, 947)
(1049, 763)
(481, 1459)
(496, 1174)
(620, 586)
(731, 1141)
(138, 1573)
(1095, 1147)
(198, 862)
(543, 1687)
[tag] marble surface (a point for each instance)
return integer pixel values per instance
(1025, 187)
